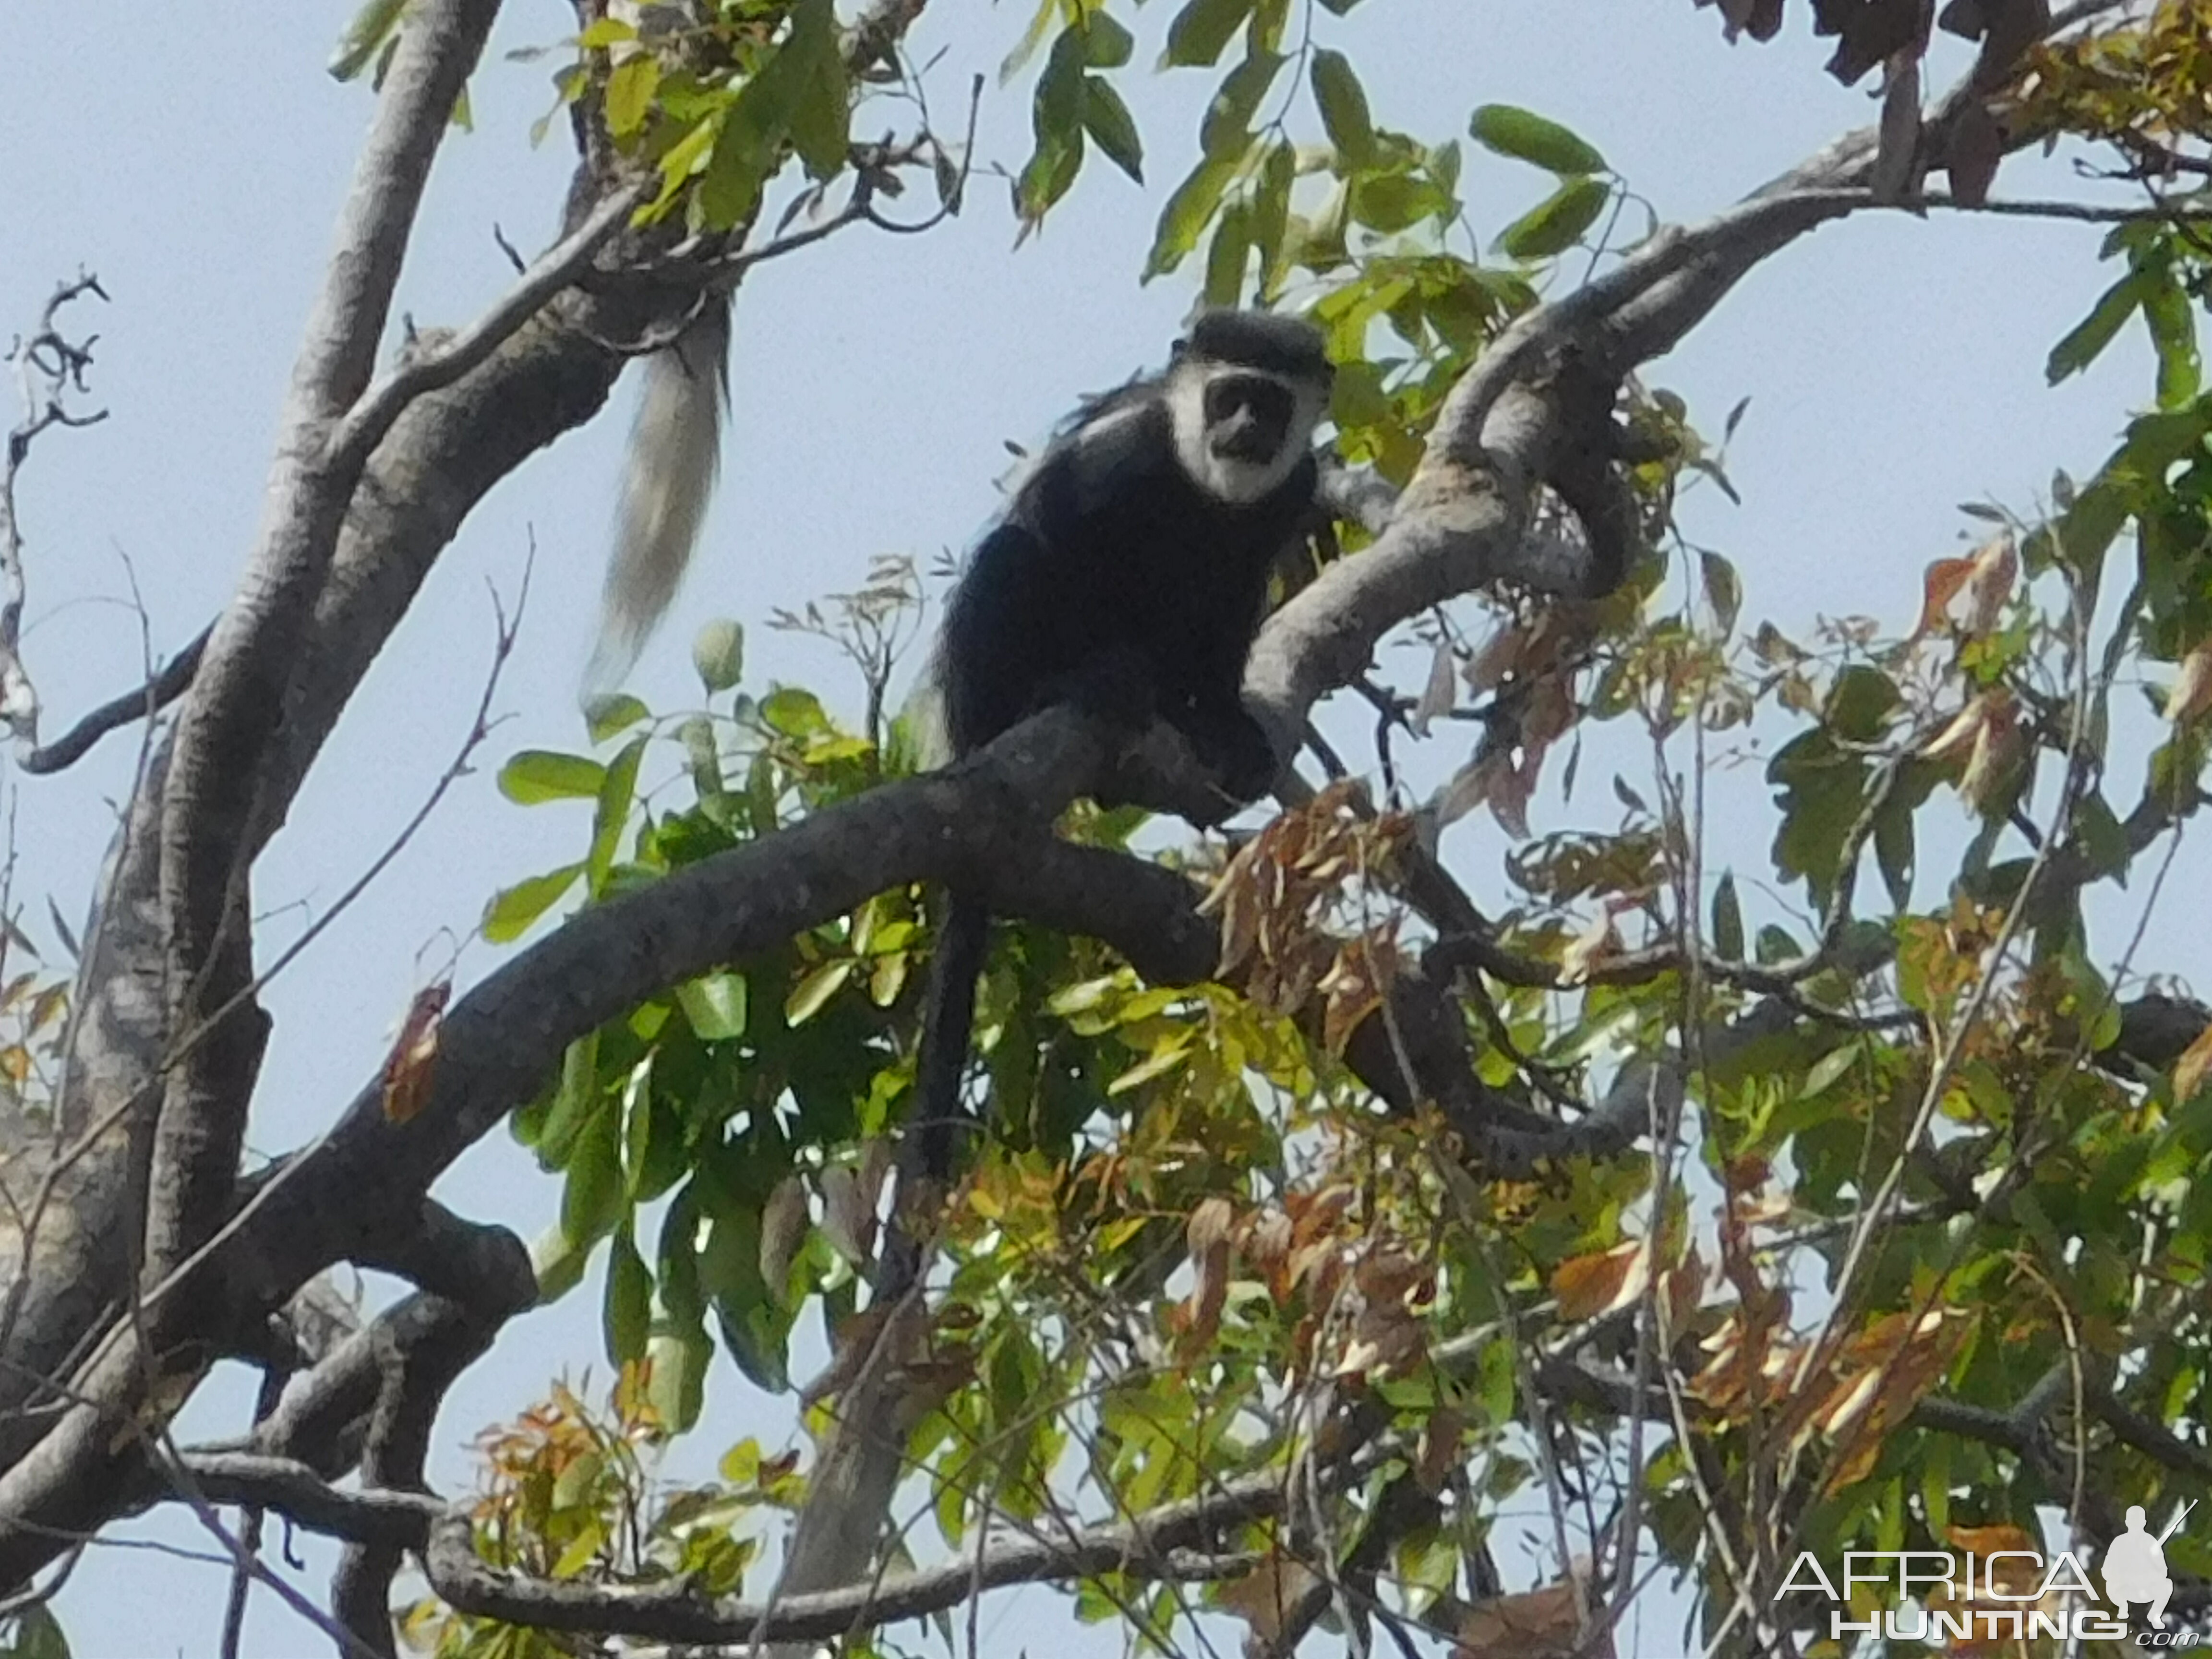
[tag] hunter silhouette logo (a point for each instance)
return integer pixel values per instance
(2135, 1565)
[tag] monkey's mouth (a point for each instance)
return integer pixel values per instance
(1247, 417)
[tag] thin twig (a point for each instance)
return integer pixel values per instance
(372, 416)
(162, 688)
(51, 368)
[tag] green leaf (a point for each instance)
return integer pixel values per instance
(678, 1386)
(627, 1314)
(702, 757)
(1049, 175)
(512, 910)
(559, 1262)
(606, 31)
(744, 151)
(1894, 850)
(610, 716)
(1170, 1052)
(1392, 202)
(594, 1198)
(1728, 919)
(2087, 339)
(1526, 137)
(2085, 533)
(630, 87)
(2101, 838)
(1056, 118)
(715, 1005)
(1822, 789)
(794, 712)
(1228, 255)
(1343, 107)
(2173, 333)
(1040, 24)
(1106, 44)
(535, 776)
(1775, 944)
(1444, 163)
(1860, 702)
(1107, 119)
(376, 23)
(686, 157)
(753, 1326)
(1226, 129)
(617, 791)
(655, 1158)
(1202, 28)
(1831, 1068)
(576, 1096)
(1557, 222)
(797, 95)
(1186, 214)
(821, 103)
(718, 654)
(1271, 212)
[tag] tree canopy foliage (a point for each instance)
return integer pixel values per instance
(1331, 1208)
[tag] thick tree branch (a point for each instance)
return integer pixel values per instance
(415, 1374)
(1165, 1543)
(983, 825)
(216, 771)
(674, 1611)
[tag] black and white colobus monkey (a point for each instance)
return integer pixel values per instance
(1132, 558)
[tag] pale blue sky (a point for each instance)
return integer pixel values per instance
(194, 157)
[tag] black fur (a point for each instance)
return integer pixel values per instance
(1116, 582)
(1113, 572)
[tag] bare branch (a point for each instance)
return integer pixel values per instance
(414, 1376)
(51, 367)
(169, 682)
(367, 422)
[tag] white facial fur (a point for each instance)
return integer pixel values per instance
(1236, 481)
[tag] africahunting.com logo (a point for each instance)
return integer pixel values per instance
(2009, 1593)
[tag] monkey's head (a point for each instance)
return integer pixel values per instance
(1246, 389)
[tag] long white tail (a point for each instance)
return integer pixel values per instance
(675, 450)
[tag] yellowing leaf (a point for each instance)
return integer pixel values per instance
(808, 996)
(1264, 1597)
(2196, 1061)
(1537, 1624)
(1939, 586)
(1588, 1285)
(2192, 688)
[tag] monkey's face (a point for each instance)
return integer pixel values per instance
(1240, 431)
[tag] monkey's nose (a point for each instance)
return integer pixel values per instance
(1243, 437)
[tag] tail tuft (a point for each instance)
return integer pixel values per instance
(675, 450)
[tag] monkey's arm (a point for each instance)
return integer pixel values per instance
(998, 650)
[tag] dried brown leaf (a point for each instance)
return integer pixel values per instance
(1588, 1285)
(409, 1065)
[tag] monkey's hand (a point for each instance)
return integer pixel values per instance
(1232, 746)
